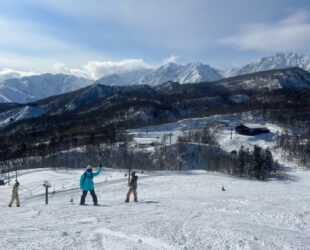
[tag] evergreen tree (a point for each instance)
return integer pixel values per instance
(268, 162)
(241, 161)
(248, 163)
(258, 167)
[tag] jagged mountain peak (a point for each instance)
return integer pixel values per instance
(169, 66)
(278, 60)
(189, 73)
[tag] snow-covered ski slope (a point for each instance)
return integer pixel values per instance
(176, 210)
(180, 210)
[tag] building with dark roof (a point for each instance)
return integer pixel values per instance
(244, 130)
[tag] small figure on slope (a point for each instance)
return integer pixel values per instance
(132, 187)
(87, 184)
(15, 195)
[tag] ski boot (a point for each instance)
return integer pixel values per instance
(135, 200)
(10, 205)
(18, 205)
(127, 200)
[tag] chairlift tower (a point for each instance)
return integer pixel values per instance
(47, 185)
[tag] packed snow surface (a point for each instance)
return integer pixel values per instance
(180, 210)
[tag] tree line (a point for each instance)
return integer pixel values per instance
(294, 147)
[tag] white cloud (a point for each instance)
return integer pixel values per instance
(59, 67)
(96, 69)
(290, 34)
(91, 69)
(170, 59)
(37, 50)
(7, 73)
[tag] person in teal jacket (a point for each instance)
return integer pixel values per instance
(87, 184)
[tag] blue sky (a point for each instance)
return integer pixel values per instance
(94, 37)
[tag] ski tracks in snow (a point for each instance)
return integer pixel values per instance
(151, 242)
(176, 211)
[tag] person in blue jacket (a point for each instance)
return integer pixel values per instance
(87, 184)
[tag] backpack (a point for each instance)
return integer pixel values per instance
(134, 180)
(86, 177)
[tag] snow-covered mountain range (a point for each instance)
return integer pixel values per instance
(292, 78)
(189, 73)
(30, 88)
(199, 72)
(6, 74)
(276, 61)
(97, 99)
(124, 78)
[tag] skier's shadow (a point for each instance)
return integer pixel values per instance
(151, 202)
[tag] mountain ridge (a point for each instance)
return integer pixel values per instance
(279, 60)
(88, 99)
(35, 87)
(31, 88)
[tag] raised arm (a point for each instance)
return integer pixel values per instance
(98, 172)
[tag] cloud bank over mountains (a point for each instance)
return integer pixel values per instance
(91, 70)
(132, 71)
(96, 69)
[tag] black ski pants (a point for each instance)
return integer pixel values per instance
(92, 192)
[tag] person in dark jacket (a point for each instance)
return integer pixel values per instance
(15, 195)
(87, 184)
(132, 187)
